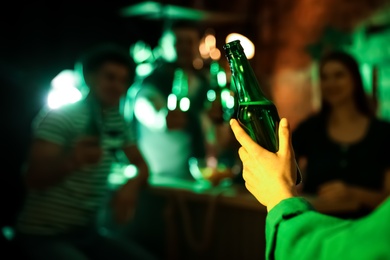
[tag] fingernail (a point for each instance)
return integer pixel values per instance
(231, 121)
(283, 122)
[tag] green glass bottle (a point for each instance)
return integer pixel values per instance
(256, 113)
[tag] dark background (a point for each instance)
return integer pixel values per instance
(39, 39)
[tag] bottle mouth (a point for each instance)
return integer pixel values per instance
(232, 43)
(232, 46)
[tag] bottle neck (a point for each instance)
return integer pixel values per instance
(245, 81)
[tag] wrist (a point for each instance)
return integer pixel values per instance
(286, 194)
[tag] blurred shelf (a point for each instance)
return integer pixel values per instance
(150, 10)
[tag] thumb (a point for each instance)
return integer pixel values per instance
(284, 137)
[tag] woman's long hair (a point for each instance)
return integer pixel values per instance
(360, 98)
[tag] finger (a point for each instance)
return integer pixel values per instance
(247, 175)
(284, 137)
(244, 139)
(252, 189)
(243, 154)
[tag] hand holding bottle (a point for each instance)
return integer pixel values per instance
(257, 114)
(269, 176)
(87, 151)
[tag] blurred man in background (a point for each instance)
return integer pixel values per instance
(168, 138)
(68, 165)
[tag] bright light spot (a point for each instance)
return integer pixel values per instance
(210, 42)
(215, 54)
(227, 99)
(126, 108)
(144, 69)
(194, 169)
(184, 104)
(147, 114)
(64, 89)
(225, 94)
(247, 45)
(214, 67)
(79, 79)
(221, 76)
(60, 97)
(116, 179)
(367, 77)
(167, 46)
(172, 102)
(230, 102)
(141, 51)
(64, 80)
(130, 171)
(180, 83)
(212, 162)
(8, 232)
(204, 52)
(211, 95)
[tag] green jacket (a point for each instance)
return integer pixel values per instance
(294, 230)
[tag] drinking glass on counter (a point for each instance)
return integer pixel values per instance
(210, 172)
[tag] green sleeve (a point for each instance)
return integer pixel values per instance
(294, 230)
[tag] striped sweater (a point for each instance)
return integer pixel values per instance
(74, 202)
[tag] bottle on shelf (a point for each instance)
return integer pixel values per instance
(179, 95)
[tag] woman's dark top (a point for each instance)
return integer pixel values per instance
(362, 163)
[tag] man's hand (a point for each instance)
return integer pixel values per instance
(49, 164)
(87, 151)
(176, 119)
(270, 177)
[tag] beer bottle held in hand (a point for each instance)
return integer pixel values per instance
(256, 113)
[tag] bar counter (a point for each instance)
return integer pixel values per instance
(217, 222)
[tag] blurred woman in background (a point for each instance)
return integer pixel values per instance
(342, 149)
